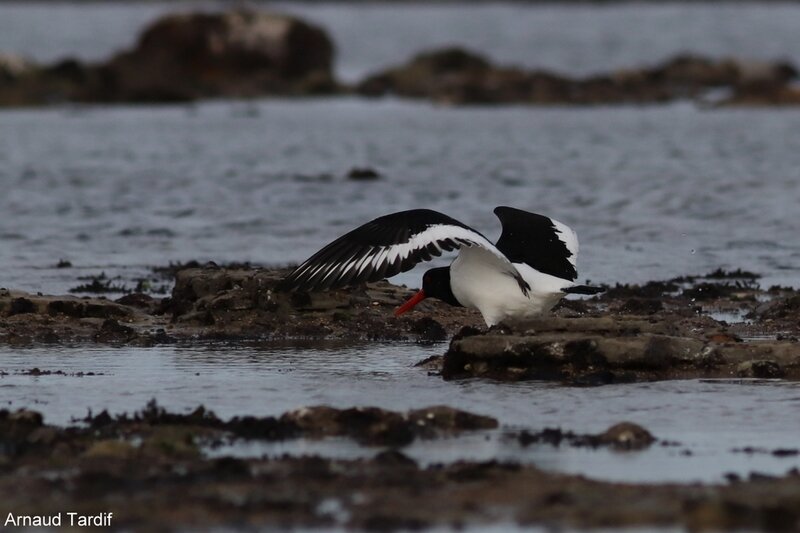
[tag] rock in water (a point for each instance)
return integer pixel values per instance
(234, 54)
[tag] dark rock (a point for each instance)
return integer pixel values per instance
(136, 299)
(584, 350)
(433, 363)
(651, 289)
(642, 306)
(16, 427)
(183, 57)
(233, 54)
(300, 300)
(269, 428)
(763, 369)
(99, 285)
(100, 420)
(26, 418)
(455, 75)
(785, 452)
(81, 309)
(709, 291)
(622, 436)
(69, 70)
(378, 427)
(363, 174)
(368, 425)
(425, 74)
(466, 331)
(764, 95)
(111, 330)
(720, 273)
(439, 419)
(781, 308)
(627, 436)
(21, 306)
(429, 329)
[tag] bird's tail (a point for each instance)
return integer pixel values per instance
(584, 289)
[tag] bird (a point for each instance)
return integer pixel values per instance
(525, 273)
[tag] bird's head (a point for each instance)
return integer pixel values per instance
(435, 284)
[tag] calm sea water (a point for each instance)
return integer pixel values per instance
(653, 192)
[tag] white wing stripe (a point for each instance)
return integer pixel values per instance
(366, 262)
(380, 257)
(569, 238)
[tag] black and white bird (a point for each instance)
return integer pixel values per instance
(525, 273)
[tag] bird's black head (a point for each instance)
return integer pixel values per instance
(436, 284)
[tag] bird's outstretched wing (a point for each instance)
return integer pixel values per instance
(544, 244)
(383, 248)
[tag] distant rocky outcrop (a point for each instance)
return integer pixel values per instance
(237, 53)
(186, 57)
(244, 53)
(764, 95)
(458, 76)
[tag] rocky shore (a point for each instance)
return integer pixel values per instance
(153, 470)
(246, 54)
(178, 471)
(660, 330)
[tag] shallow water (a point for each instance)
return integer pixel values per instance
(653, 193)
(708, 419)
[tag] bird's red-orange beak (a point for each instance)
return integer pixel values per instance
(409, 305)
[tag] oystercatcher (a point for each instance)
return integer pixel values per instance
(525, 273)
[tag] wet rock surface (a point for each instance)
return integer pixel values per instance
(235, 303)
(622, 436)
(377, 427)
(151, 471)
(659, 330)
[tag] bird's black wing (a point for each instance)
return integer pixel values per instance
(540, 242)
(383, 248)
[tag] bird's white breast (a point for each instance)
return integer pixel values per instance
(478, 279)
